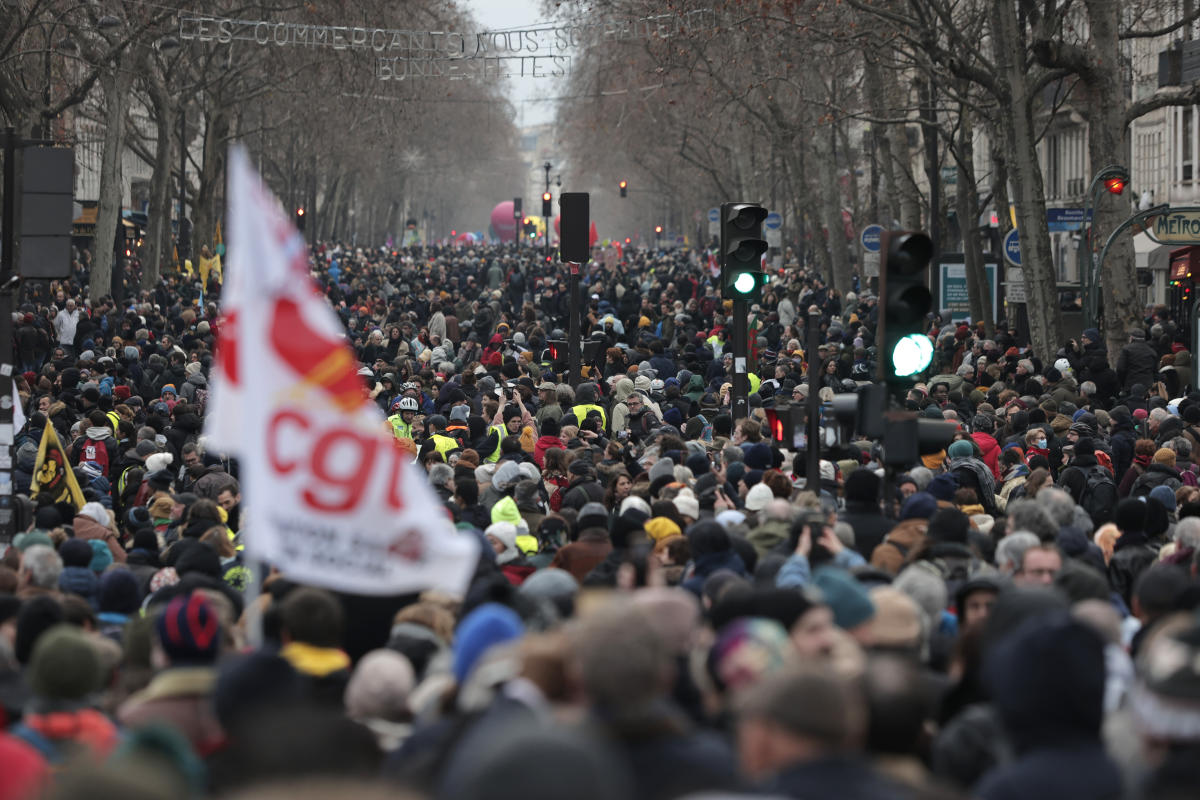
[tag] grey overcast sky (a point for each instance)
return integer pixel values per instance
(524, 92)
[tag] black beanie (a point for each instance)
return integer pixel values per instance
(1131, 515)
(862, 485)
(550, 427)
(47, 518)
(949, 525)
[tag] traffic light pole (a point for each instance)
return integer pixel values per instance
(573, 340)
(7, 287)
(739, 403)
(812, 474)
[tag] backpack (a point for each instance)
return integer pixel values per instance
(94, 451)
(1099, 496)
(1189, 476)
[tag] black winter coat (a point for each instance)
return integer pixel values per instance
(1138, 363)
(1156, 475)
(870, 526)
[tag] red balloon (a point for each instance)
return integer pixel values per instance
(503, 223)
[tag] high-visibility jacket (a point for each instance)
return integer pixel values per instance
(583, 409)
(400, 428)
(501, 432)
(444, 444)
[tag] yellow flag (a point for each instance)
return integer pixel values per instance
(52, 474)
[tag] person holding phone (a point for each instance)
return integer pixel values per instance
(797, 570)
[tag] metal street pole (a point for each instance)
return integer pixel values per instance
(1139, 216)
(812, 475)
(739, 405)
(7, 279)
(1084, 260)
(546, 222)
(574, 345)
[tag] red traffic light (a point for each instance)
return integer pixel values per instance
(545, 197)
(658, 228)
(622, 185)
(627, 240)
(300, 212)
(453, 232)
(1116, 184)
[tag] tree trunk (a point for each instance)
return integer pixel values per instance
(116, 84)
(967, 207)
(1030, 201)
(1103, 103)
(212, 170)
(158, 239)
(831, 206)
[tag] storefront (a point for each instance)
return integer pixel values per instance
(1185, 263)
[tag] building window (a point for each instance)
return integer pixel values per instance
(1185, 143)
(1052, 167)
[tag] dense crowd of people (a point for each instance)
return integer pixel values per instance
(666, 604)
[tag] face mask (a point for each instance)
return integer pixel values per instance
(1041, 443)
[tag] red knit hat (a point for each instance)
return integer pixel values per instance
(189, 630)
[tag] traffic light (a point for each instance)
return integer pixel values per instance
(547, 208)
(623, 186)
(658, 230)
(905, 349)
(300, 218)
(742, 247)
(556, 354)
(517, 208)
(1116, 184)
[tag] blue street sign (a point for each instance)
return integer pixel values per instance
(870, 238)
(1059, 220)
(1012, 247)
(773, 221)
(714, 215)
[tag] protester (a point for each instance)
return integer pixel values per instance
(664, 601)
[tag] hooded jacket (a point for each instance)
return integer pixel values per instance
(990, 450)
(1155, 475)
(893, 552)
(87, 528)
(974, 474)
(543, 444)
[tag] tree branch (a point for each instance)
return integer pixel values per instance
(1164, 98)
(1163, 31)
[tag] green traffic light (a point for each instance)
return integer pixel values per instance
(912, 355)
(744, 283)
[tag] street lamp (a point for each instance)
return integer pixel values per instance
(1114, 178)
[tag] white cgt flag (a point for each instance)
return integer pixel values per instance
(330, 499)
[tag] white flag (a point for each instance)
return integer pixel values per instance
(223, 421)
(330, 499)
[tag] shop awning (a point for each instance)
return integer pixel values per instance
(1149, 254)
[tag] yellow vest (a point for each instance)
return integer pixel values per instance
(581, 411)
(502, 431)
(444, 444)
